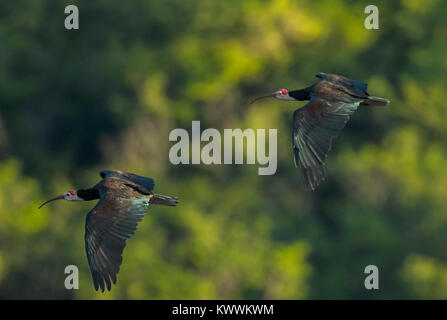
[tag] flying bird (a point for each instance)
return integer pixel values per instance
(123, 200)
(331, 101)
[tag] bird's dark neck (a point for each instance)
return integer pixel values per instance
(303, 94)
(88, 194)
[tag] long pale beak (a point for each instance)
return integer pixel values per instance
(271, 95)
(57, 198)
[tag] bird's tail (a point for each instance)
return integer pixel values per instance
(163, 200)
(375, 101)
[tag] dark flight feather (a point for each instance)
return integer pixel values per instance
(314, 127)
(146, 184)
(353, 87)
(107, 228)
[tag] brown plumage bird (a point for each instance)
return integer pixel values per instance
(332, 100)
(123, 200)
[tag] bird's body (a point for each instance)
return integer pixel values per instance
(331, 102)
(123, 200)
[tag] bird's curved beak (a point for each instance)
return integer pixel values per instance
(271, 95)
(57, 198)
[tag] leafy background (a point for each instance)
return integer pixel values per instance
(107, 96)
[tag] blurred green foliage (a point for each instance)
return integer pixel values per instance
(107, 96)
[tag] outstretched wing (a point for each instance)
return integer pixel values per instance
(353, 87)
(146, 184)
(314, 127)
(109, 224)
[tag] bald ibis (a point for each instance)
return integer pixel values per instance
(123, 200)
(331, 101)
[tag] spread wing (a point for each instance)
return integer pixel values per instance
(109, 224)
(314, 127)
(146, 185)
(350, 86)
